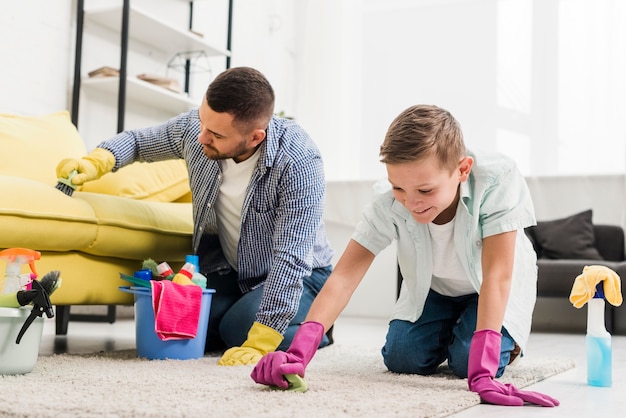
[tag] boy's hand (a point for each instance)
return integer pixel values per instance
(484, 357)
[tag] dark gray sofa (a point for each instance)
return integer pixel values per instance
(553, 311)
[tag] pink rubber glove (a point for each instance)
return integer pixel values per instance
(484, 357)
(273, 367)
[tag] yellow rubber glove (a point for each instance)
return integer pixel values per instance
(91, 167)
(584, 287)
(261, 340)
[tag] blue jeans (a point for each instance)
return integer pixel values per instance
(443, 332)
(233, 312)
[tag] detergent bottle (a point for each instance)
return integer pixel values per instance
(14, 280)
(598, 340)
(197, 277)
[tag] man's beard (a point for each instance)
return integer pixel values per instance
(214, 154)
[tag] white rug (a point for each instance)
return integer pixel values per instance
(344, 381)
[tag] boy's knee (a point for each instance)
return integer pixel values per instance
(408, 362)
(458, 366)
(458, 357)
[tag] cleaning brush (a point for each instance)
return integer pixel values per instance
(65, 184)
(51, 281)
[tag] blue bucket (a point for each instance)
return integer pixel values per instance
(149, 345)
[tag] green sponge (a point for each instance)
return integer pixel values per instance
(296, 384)
(151, 265)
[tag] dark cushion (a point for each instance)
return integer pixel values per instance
(610, 241)
(567, 238)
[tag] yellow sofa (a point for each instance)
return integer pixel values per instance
(109, 226)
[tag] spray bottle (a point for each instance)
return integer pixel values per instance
(197, 277)
(13, 280)
(598, 342)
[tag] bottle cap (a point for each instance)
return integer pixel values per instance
(193, 259)
(164, 269)
(144, 274)
(188, 270)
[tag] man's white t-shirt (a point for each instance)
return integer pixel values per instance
(235, 180)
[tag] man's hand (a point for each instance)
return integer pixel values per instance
(261, 340)
(91, 167)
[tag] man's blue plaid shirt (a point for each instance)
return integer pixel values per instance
(282, 233)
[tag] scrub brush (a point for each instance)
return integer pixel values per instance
(65, 184)
(49, 283)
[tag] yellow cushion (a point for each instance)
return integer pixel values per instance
(87, 279)
(32, 146)
(162, 181)
(184, 199)
(38, 216)
(135, 229)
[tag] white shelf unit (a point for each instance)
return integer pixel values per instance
(143, 92)
(149, 30)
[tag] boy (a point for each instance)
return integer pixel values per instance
(469, 271)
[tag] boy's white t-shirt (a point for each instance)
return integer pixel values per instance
(449, 278)
(235, 180)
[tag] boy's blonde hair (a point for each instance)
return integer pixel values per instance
(424, 131)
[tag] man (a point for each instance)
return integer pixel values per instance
(258, 190)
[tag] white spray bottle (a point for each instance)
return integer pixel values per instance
(15, 257)
(598, 340)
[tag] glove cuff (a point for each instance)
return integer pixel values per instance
(263, 338)
(306, 341)
(103, 159)
(484, 356)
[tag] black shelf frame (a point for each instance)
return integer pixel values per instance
(121, 96)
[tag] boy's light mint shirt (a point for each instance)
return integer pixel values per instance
(494, 199)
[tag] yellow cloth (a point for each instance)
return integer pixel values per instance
(261, 340)
(91, 167)
(585, 286)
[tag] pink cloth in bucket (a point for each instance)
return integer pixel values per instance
(176, 310)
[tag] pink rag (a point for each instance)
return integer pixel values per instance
(176, 309)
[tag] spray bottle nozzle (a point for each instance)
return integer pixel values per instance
(21, 256)
(599, 291)
(15, 258)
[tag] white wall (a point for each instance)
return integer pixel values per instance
(540, 80)
(36, 48)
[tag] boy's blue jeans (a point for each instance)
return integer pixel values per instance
(233, 313)
(443, 332)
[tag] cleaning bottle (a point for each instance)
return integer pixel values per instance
(15, 257)
(183, 277)
(165, 271)
(197, 277)
(598, 340)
